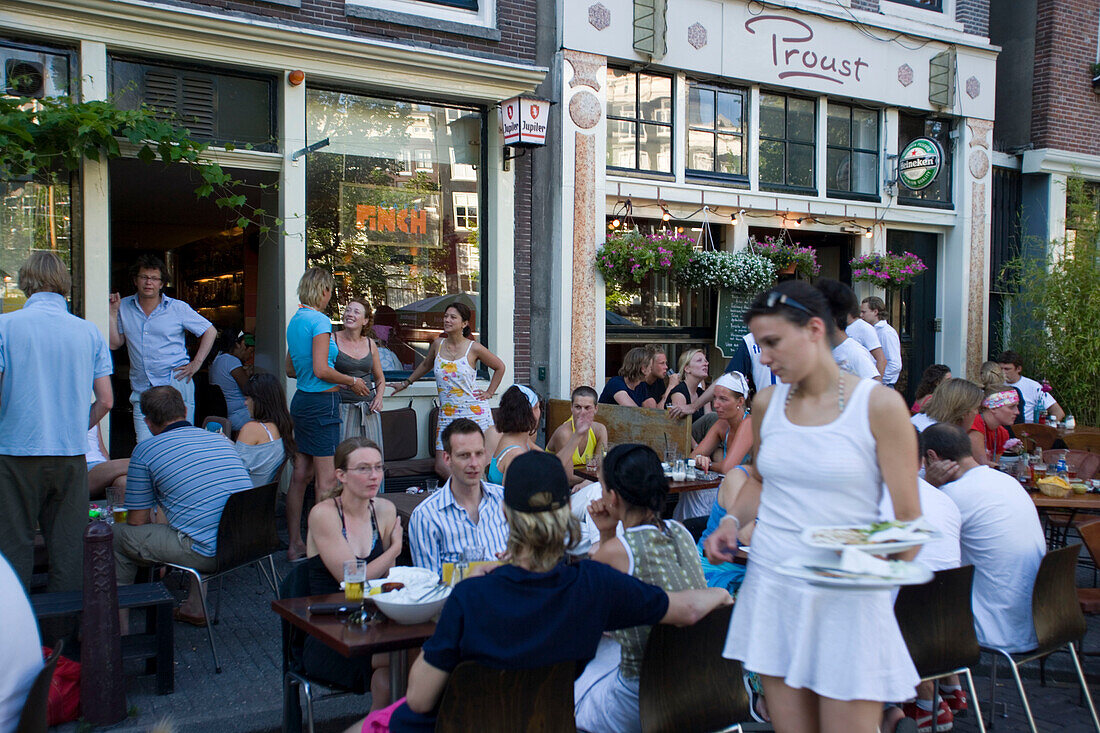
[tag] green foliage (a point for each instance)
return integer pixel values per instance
(742, 272)
(44, 138)
(1058, 306)
(887, 269)
(785, 253)
(626, 260)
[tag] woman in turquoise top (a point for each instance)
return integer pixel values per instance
(311, 353)
(517, 424)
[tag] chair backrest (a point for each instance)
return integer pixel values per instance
(227, 429)
(1054, 606)
(937, 622)
(1034, 434)
(1090, 535)
(433, 428)
(696, 525)
(399, 434)
(294, 585)
(1084, 441)
(652, 427)
(486, 700)
(33, 717)
(246, 532)
(686, 685)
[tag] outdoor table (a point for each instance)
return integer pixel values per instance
(1073, 504)
(674, 487)
(381, 637)
(405, 503)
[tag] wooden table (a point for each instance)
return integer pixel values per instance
(1083, 502)
(674, 487)
(357, 641)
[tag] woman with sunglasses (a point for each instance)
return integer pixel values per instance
(825, 443)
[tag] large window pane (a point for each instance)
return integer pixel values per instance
(839, 126)
(730, 111)
(630, 143)
(700, 150)
(400, 239)
(865, 129)
(772, 161)
(865, 173)
(730, 156)
(622, 94)
(787, 139)
(838, 170)
(620, 144)
(773, 116)
(655, 97)
(800, 119)
(714, 138)
(852, 155)
(655, 148)
(800, 165)
(700, 106)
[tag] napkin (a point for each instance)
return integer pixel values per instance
(918, 529)
(857, 561)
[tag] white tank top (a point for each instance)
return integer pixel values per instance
(814, 475)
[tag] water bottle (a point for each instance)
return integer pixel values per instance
(1071, 422)
(1062, 469)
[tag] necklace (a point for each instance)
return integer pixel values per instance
(839, 394)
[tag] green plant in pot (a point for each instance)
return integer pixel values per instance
(789, 257)
(742, 272)
(626, 260)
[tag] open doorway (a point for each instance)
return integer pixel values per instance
(214, 265)
(834, 250)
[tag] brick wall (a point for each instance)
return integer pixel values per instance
(524, 181)
(1065, 111)
(974, 16)
(515, 20)
(871, 6)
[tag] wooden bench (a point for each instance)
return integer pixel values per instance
(644, 425)
(156, 646)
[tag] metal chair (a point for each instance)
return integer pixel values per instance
(295, 678)
(33, 717)
(486, 700)
(246, 536)
(1058, 621)
(686, 685)
(937, 623)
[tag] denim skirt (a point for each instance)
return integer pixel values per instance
(316, 422)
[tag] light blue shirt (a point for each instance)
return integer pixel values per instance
(440, 529)
(190, 472)
(156, 342)
(221, 374)
(304, 325)
(48, 360)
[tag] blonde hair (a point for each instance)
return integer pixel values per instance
(685, 359)
(993, 379)
(636, 363)
(540, 539)
(312, 286)
(45, 272)
(953, 401)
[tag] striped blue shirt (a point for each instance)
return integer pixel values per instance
(440, 529)
(190, 472)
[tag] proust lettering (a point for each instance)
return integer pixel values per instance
(794, 54)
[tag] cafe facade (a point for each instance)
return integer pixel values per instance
(366, 134)
(725, 121)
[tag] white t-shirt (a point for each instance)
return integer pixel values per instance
(891, 349)
(1002, 538)
(1033, 393)
(864, 334)
(21, 645)
(921, 422)
(94, 455)
(852, 357)
(761, 375)
(940, 512)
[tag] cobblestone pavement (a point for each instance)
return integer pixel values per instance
(247, 696)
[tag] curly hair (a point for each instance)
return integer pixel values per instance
(515, 414)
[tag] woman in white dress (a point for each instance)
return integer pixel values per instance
(825, 441)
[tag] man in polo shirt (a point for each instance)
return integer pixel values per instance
(152, 327)
(190, 472)
(52, 363)
(466, 511)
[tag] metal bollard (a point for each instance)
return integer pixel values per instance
(102, 690)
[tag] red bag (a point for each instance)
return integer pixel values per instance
(64, 701)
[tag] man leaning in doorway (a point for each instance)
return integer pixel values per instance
(152, 326)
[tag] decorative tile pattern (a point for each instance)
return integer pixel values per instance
(582, 362)
(979, 244)
(697, 36)
(979, 164)
(973, 87)
(585, 109)
(905, 75)
(585, 68)
(599, 17)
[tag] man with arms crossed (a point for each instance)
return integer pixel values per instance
(152, 327)
(873, 311)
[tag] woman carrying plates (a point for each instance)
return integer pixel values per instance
(825, 442)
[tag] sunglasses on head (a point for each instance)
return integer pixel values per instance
(777, 299)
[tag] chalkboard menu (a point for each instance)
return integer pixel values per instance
(731, 324)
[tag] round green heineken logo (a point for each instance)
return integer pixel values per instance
(920, 163)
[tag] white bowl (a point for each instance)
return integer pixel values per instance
(398, 606)
(412, 576)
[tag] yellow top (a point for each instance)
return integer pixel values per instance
(581, 459)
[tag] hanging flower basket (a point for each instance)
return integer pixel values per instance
(742, 272)
(788, 257)
(889, 270)
(625, 261)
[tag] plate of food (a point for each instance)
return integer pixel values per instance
(879, 538)
(858, 571)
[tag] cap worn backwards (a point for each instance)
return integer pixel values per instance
(536, 482)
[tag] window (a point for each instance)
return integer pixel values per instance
(787, 137)
(465, 210)
(639, 121)
(851, 161)
(936, 5)
(461, 171)
(404, 241)
(938, 193)
(715, 134)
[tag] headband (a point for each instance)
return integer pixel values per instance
(1001, 399)
(734, 382)
(529, 394)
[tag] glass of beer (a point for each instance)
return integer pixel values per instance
(1040, 471)
(116, 501)
(355, 577)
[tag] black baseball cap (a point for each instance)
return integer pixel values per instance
(536, 482)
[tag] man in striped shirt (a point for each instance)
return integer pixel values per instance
(466, 512)
(190, 472)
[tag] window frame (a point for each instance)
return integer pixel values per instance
(746, 100)
(852, 150)
(785, 187)
(639, 120)
(948, 147)
(935, 7)
(466, 206)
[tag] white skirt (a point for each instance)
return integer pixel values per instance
(840, 644)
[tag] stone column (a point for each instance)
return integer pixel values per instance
(979, 180)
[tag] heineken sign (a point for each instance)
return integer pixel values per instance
(919, 164)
